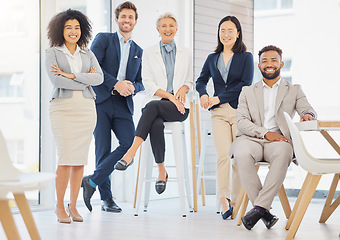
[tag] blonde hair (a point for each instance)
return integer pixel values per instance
(166, 15)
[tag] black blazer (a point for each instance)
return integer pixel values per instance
(240, 74)
(107, 50)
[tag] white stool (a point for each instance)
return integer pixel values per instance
(146, 166)
(206, 132)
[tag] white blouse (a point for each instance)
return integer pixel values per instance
(74, 60)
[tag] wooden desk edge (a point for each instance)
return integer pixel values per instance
(328, 124)
(315, 125)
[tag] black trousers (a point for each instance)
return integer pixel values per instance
(154, 114)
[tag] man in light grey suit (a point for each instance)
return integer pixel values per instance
(263, 134)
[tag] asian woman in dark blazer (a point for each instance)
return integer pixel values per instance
(231, 67)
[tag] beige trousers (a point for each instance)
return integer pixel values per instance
(224, 132)
(247, 151)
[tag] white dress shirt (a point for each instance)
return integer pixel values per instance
(269, 98)
(124, 56)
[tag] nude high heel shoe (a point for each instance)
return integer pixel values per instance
(62, 220)
(74, 218)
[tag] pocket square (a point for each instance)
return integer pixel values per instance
(136, 57)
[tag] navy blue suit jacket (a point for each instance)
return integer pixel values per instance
(240, 74)
(107, 50)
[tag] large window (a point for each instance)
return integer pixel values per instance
(19, 82)
(309, 61)
(261, 5)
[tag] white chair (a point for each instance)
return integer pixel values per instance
(146, 166)
(16, 182)
(315, 167)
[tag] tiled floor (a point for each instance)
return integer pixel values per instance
(163, 221)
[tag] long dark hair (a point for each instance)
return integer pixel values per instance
(55, 29)
(239, 46)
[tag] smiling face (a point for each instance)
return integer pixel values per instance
(167, 29)
(270, 65)
(72, 31)
(126, 20)
(228, 34)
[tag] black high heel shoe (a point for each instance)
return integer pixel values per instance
(161, 185)
(228, 213)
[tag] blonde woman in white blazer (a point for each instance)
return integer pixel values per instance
(167, 78)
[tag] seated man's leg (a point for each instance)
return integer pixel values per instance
(246, 152)
(279, 155)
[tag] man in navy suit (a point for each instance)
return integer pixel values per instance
(120, 59)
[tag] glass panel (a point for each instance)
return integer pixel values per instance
(97, 11)
(260, 5)
(287, 65)
(316, 71)
(19, 83)
(286, 4)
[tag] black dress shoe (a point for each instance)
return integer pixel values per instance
(88, 191)
(122, 165)
(269, 219)
(109, 205)
(251, 218)
(161, 185)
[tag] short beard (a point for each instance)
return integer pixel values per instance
(272, 76)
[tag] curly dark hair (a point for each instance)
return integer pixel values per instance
(271, 48)
(127, 5)
(239, 46)
(55, 29)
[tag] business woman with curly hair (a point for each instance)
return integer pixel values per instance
(231, 67)
(72, 69)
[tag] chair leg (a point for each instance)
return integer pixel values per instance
(284, 201)
(193, 154)
(298, 200)
(148, 177)
(141, 177)
(200, 144)
(243, 209)
(137, 178)
(178, 150)
(329, 208)
(26, 214)
(200, 178)
(307, 196)
(238, 203)
(7, 221)
(186, 173)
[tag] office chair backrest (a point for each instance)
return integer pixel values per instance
(7, 171)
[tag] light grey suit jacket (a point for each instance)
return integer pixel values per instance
(250, 112)
(63, 87)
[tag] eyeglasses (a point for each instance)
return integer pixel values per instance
(228, 32)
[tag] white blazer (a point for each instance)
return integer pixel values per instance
(154, 73)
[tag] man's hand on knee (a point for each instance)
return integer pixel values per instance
(273, 136)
